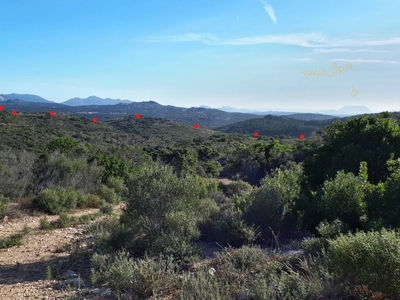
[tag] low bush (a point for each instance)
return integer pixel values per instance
(15, 239)
(204, 286)
(368, 258)
(66, 221)
(10, 241)
(4, 205)
(238, 187)
(230, 229)
(144, 277)
(108, 194)
(271, 206)
(59, 200)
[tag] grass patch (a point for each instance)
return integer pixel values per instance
(15, 239)
(66, 221)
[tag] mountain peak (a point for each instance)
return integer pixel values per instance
(94, 100)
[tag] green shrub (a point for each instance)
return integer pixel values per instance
(159, 203)
(204, 286)
(65, 171)
(15, 173)
(331, 229)
(237, 187)
(4, 201)
(369, 258)
(108, 194)
(212, 168)
(44, 223)
(117, 183)
(106, 209)
(13, 240)
(94, 201)
(314, 245)
(270, 206)
(144, 277)
(343, 198)
(57, 200)
(230, 229)
(62, 222)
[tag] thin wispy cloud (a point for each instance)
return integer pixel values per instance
(189, 37)
(304, 59)
(269, 9)
(308, 40)
(380, 61)
(305, 40)
(341, 50)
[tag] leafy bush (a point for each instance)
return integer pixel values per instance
(106, 209)
(58, 200)
(270, 206)
(343, 198)
(230, 229)
(118, 185)
(90, 201)
(108, 194)
(212, 168)
(60, 170)
(237, 187)
(11, 241)
(204, 286)
(4, 201)
(369, 258)
(159, 203)
(144, 277)
(15, 172)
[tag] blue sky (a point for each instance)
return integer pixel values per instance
(240, 53)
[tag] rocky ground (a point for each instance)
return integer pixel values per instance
(24, 269)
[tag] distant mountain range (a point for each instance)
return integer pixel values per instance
(343, 112)
(25, 97)
(94, 100)
(106, 109)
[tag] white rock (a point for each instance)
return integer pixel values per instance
(75, 282)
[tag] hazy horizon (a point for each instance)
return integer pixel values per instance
(240, 53)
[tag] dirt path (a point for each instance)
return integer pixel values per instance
(23, 268)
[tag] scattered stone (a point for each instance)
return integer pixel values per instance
(63, 262)
(193, 274)
(69, 274)
(102, 292)
(74, 282)
(126, 296)
(243, 295)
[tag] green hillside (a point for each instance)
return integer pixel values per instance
(274, 125)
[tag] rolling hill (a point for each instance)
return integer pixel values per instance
(93, 100)
(276, 125)
(25, 97)
(32, 131)
(204, 117)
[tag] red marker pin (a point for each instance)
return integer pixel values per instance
(196, 126)
(94, 120)
(14, 112)
(52, 113)
(255, 134)
(138, 116)
(301, 136)
(1, 107)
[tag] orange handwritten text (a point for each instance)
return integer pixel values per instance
(325, 73)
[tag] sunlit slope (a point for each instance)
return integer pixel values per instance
(274, 125)
(34, 131)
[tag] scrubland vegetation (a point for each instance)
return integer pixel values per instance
(340, 186)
